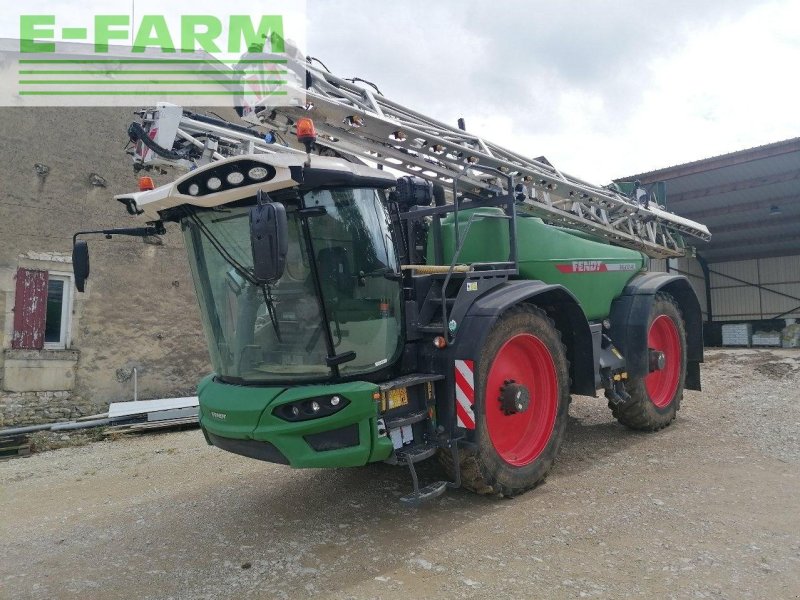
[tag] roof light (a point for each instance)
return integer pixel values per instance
(146, 183)
(194, 189)
(306, 132)
(257, 173)
(235, 178)
(214, 183)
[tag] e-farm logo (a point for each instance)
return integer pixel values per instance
(196, 32)
(133, 59)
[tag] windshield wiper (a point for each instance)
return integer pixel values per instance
(239, 268)
(270, 302)
(226, 256)
(333, 360)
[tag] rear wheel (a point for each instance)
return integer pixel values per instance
(656, 397)
(521, 405)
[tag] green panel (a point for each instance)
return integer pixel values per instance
(245, 412)
(591, 268)
(486, 240)
(232, 411)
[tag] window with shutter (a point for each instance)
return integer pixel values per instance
(59, 309)
(30, 309)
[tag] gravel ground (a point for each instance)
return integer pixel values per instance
(707, 508)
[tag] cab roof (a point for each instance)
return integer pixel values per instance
(282, 171)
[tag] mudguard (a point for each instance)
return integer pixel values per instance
(560, 305)
(630, 314)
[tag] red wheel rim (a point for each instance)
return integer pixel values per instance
(662, 385)
(520, 438)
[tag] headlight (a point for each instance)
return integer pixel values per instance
(257, 173)
(226, 177)
(311, 408)
(235, 178)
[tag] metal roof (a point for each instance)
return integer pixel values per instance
(750, 200)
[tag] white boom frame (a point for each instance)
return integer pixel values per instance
(358, 123)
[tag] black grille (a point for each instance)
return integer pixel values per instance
(337, 439)
(250, 448)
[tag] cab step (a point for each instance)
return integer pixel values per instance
(412, 455)
(424, 494)
(415, 454)
(409, 419)
(433, 490)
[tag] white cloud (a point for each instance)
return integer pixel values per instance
(730, 87)
(602, 91)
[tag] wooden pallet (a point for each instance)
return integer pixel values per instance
(14, 446)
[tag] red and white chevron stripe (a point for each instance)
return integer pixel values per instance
(465, 393)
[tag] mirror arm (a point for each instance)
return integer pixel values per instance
(155, 229)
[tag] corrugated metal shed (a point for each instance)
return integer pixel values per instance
(759, 289)
(750, 200)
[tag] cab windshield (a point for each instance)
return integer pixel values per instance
(279, 333)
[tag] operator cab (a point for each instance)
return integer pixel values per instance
(295, 267)
(302, 295)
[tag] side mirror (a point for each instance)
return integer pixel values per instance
(80, 263)
(269, 238)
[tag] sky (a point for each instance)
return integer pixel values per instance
(602, 89)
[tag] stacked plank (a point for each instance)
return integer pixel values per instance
(151, 415)
(13, 446)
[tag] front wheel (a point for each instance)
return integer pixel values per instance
(521, 406)
(656, 397)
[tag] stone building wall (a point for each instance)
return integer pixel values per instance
(59, 169)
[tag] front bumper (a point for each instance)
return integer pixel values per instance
(240, 419)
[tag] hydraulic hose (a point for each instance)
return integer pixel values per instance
(137, 134)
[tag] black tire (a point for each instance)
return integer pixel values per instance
(641, 412)
(483, 470)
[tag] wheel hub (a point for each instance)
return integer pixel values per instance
(663, 339)
(514, 398)
(520, 438)
(657, 360)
